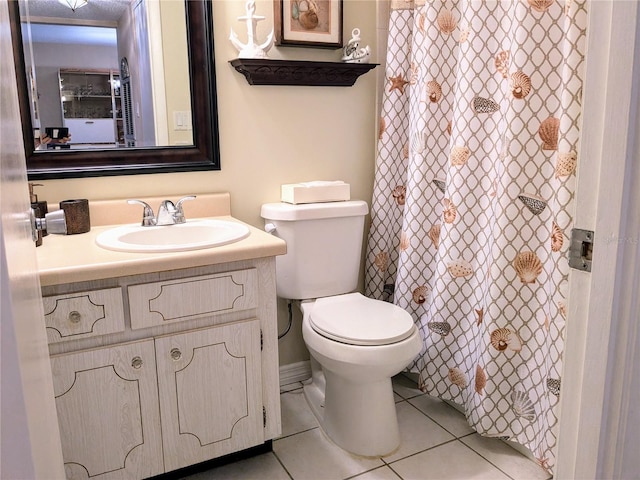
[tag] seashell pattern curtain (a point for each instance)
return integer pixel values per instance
(473, 201)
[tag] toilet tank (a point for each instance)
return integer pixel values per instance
(324, 246)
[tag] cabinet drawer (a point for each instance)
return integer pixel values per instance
(83, 314)
(170, 301)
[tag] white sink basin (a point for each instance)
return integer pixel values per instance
(192, 235)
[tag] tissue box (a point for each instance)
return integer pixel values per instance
(312, 192)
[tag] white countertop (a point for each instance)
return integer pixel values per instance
(77, 258)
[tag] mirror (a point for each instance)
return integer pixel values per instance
(128, 154)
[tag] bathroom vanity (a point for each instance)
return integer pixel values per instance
(161, 360)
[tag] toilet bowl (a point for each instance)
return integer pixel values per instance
(357, 344)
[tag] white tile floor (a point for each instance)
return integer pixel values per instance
(437, 443)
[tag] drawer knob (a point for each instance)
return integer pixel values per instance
(136, 362)
(75, 316)
(176, 354)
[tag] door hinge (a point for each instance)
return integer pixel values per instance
(264, 417)
(581, 249)
(261, 340)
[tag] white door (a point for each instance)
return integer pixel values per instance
(30, 447)
(597, 410)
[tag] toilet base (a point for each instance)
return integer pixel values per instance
(314, 388)
(314, 396)
(358, 417)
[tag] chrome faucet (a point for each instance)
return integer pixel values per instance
(168, 212)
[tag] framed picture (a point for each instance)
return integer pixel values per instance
(308, 23)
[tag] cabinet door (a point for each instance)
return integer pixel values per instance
(210, 392)
(107, 404)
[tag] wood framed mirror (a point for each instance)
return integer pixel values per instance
(202, 155)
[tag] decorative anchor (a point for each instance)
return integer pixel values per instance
(251, 49)
(351, 51)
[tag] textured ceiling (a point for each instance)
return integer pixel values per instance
(108, 11)
(63, 25)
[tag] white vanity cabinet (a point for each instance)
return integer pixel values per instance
(188, 373)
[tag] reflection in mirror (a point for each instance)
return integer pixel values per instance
(76, 80)
(119, 79)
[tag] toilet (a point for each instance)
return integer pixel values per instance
(356, 343)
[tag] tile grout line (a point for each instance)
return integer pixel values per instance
(296, 433)
(282, 465)
(456, 436)
(417, 453)
(483, 457)
(438, 423)
(366, 471)
(477, 452)
(396, 473)
(390, 464)
(408, 398)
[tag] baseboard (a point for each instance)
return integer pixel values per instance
(295, 372)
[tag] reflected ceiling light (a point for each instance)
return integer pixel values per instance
(74, 4)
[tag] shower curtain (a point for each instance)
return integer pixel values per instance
(473, 201)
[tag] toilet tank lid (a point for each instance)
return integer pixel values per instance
(313, 211)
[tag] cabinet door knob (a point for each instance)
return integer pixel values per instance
(136, 362)
(74, 316)
(176, 354)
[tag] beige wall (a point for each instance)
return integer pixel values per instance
(269, 135)
(176, 75)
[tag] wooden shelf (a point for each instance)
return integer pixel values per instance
(259, 71)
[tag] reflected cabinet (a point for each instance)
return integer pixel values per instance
(91, 105)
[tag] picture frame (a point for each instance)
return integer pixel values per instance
(308, 23)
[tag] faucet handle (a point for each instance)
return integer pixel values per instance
(184, 199)
(179, 215)
(148, 218)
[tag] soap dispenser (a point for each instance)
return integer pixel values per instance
(39, 206)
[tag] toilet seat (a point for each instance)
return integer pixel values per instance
(357, 320)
